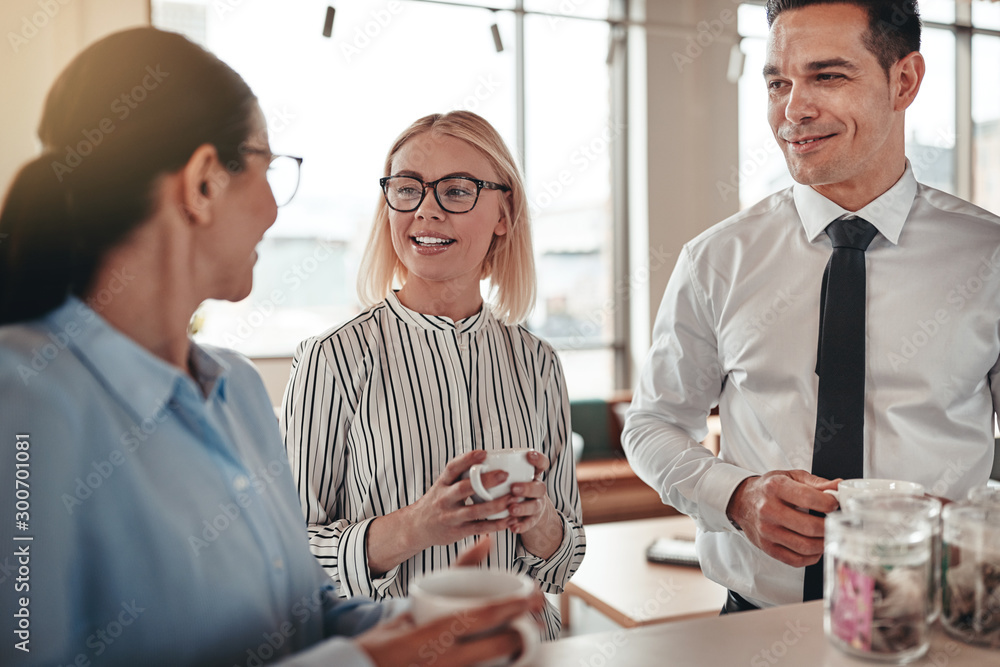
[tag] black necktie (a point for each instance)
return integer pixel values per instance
(838, 447)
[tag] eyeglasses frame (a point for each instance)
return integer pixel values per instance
(244, 150)
(480, 186)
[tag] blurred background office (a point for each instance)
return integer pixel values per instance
(639, 124)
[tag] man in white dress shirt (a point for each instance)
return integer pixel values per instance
(739, 320)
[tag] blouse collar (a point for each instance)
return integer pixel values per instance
(469, 324)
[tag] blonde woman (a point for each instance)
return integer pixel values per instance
(384, 413)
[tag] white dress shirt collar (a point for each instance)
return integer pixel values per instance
(887, 212)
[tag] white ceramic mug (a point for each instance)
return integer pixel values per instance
(852, 488)
(457, 589)
(514, 462)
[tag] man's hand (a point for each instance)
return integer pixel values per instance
(772, 512)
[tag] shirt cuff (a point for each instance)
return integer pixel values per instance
(553, 572)
(714, 490)
(352, 559)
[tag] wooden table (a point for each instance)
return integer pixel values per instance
(789, 636)
(617, 580)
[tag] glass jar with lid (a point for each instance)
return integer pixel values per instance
(970, 601)
(877, 575)
(910, 508)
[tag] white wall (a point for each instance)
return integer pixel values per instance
(40, 37)
(275, 372)
(680, 95)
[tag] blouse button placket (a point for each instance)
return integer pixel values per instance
(460, 396)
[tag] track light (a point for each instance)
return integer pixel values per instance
(328, 24)
(495, 29)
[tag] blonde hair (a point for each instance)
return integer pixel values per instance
(509, 261)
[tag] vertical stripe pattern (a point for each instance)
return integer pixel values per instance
(377, 407)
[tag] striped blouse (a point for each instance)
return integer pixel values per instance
(375, 409)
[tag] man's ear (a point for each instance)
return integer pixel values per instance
(202, 178)
(907, 74)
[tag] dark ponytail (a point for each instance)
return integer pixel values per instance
(128, 109)
(36, 254)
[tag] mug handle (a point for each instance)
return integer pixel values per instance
(833, 492)
(530, 641)
(476, 477)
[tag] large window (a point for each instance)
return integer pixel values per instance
(952, 129)
(568, 166)
(339, 102)
(986, 107)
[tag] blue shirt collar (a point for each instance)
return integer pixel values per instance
(142, 382)
(887, 212)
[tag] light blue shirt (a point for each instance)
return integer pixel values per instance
(163, 521)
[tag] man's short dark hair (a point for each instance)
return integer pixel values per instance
(893, 25)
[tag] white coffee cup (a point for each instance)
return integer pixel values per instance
(457, 589)
(514, 462)
(852, 488)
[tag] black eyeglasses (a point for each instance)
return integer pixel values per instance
(282, 173)
(454, 194)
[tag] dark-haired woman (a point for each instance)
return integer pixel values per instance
(156, 519)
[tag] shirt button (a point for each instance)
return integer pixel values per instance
(278, 564)
(241, 483)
